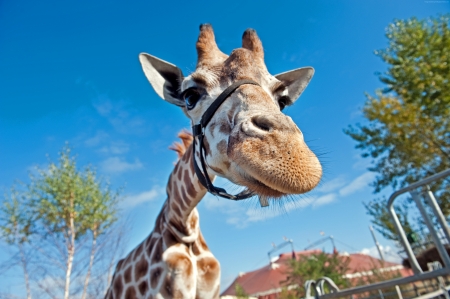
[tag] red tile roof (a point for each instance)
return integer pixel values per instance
(269, 279)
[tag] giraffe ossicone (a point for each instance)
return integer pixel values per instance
(248, 141)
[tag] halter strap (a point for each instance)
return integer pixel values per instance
(198, 130)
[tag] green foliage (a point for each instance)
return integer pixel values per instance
(408, 131)
(240, 292)
(62, 195)
(315, 266)
(64, 216)
(15, 219)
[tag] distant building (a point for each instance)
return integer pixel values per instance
(266, 282)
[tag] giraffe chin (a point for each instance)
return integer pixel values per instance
(260, 189)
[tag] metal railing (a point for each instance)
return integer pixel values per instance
(419, 275)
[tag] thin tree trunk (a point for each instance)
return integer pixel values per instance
(91, 262)
(25, 271)
(70, 255)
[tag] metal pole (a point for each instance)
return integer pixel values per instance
(332, 242)
(401, 233)
(429, 197)
(376, 243)
(399, 293)
(439, 246)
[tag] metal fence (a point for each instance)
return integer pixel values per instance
(422, 285)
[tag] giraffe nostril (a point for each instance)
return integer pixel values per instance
(262, 122)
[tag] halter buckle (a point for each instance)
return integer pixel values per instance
(197, 130)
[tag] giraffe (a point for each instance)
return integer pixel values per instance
(174, 260)
(247, 139)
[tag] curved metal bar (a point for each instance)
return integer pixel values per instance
(413, 261)
(437, 242)
(333, 287)
(431, 201)
(308, 284)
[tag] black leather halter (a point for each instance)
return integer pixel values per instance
(198, 130)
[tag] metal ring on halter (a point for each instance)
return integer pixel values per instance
(198, 130)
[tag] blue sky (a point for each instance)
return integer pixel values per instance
(69, 71)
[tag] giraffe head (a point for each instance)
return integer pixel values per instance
(249, 140)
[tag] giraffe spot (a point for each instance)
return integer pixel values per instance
(169, 239)
(154, 277)
(222, 147)
(181, 263)
(225, 127)
(187, 155)
(119, 264)
(158, 223)
(166, 289)
(176, 209)
(176, 193)
(179, 175)
(157, 253)
(230, 115)
(209, 269)
(118, 287)
(217, 170)
(183, 205)
(138, 251)
(179, 226)
(140, 269)
(191, 166)
(127, 275)
(189, 187)
(212, 126)
(195, 249)
(206, 147)
(227, 164)
(131, 293)
(143, 287)
(186, 177)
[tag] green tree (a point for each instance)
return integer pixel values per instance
(57, 221)
(240, 292)
(407, 134)
(313, 267)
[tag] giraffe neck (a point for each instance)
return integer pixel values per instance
(184, 192)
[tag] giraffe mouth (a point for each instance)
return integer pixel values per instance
(257, 187)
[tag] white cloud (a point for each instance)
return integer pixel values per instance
(104, 106)
(145, 196)
(389, 253)
(325, 199)
(97, 139)
(118, 165)
(331, 185)
(361, 163)
(357, 184)
(241, 215)
(116, 148)
(121, 117)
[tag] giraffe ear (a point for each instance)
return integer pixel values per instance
(296, 81)
(164, 77)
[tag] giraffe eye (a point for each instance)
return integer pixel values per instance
(191, 96)
(283, 102)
